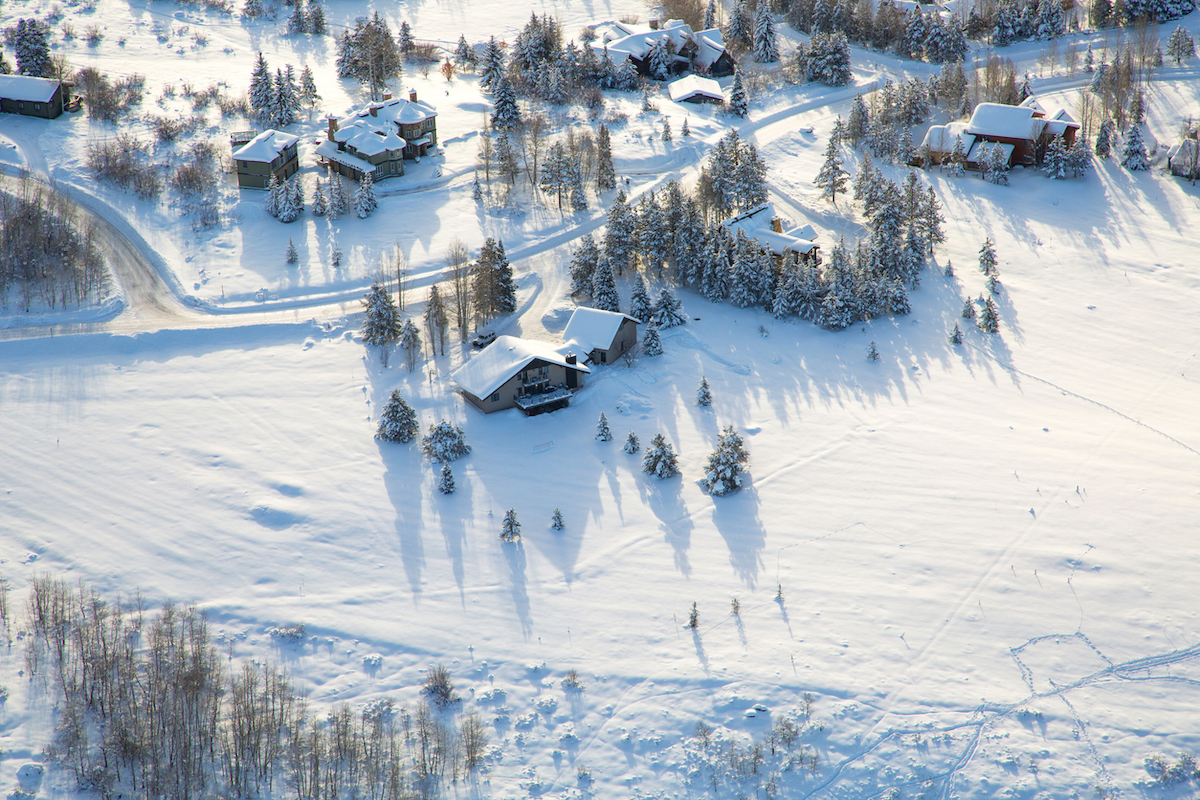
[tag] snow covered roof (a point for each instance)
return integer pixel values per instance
(27, 88)
(592, 329)
(397, 111)
(1008, 122)
(265, 147)
(329, 150)
(369, 140)
(694, 86)
(757, 224)
(504, 358)
(622, 39)
(940, 138)
(1032, 102)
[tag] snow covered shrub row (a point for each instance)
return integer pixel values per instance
(125, 161)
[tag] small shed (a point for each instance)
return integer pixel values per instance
(520, 373)
(33, 97)
(269, 153)
(602, 336)
(695, 89)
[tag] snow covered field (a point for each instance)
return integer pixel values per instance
(973, 558)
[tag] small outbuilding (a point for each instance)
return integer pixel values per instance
(695, 89)
(33, 97)
(520, 373)
(602, 336)
(269, 153)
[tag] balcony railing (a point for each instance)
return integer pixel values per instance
(556, 394)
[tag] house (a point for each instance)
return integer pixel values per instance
(268, 153)
(1183, 159)
(601, 336)
(700, 51)
(33, 97)
(1023, 131)
(694, 89)
(379, 137)
(939, 142)
(520, 373)
(767, 228)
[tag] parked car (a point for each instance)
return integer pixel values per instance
(484, 339)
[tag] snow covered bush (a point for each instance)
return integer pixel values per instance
(398, 423)
(446, 481)
(439, 687)
(631, 443)
(660, 458)
(726, 465)
(445, 443)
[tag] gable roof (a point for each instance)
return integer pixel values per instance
(27, 88)
(1007, 122)
(265, 147)
(593, 329)
(504, 358)
(692, 85)
(941, 138)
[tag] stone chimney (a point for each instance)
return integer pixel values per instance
(571, 357)
(777, 225)
(412, 95)
(387, 96)
(332, 128)
(654, 24)
(374, 110)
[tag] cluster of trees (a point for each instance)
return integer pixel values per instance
(148, 709)
(913, 34)
(307, 18)
(725, 471)
(563, 168)
(276, 101)
(46, 252)
(825, 60)
(30, 40)
(369, 54)
(285, 199)
(885, 130)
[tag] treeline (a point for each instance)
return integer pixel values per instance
(148, 709)
(47, 254)
(915, 34)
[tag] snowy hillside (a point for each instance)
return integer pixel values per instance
(959, 570)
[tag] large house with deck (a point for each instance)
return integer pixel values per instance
(520, 373)
(698, 51)
(379, 137)
(1023, 132)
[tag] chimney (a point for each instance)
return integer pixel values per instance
(653, 24)
(777, 225)
(332, 127)
(570, 357)
(387, 96)
(374, 110)
(412, 95)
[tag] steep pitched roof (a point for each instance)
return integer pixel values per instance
(693, 85)
(592, 329)
(27, 88)
(504, 358)
(265, 147)
(1007, 122)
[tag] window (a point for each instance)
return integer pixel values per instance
(495, 397)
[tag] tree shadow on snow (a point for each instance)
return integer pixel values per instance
(665, 499)
(514, 554)
(402, 480)
(736, 519)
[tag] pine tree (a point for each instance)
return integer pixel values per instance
(398, 422)
(337, 195)
(290, 254)
(693, 618)
(1134, 158)
(506, 115)
(381, 322)
(32, 45)
(1137, 107)
(274, 196)
(631, 443)
(308, 87)
(317, 25)
(262, 89)
(578, 192)
(1054, 164)
(989, 320)
(739, 24)
(445, 442)
(956, 336)
(603, 434)
(619, 235)
(639, 302)
(583, 264)
(766, 45)
(606, 176)
(858, 125)
(446, 482)
(1104, 139)
(685, 131)
(1180, 46)
(727, 464)
(703, 394)
(739, 104)
(291, 204)
(510, 531)
(958, 158)
(832, 178)
(710, 15)
(298, 21)
(404, 39)
(660, 459)
(658, 62)
(252, 9)
(505, 291)
(652, 343)
(987, 257)
(410, 343)
(556, 520)
(666, 131)
(968, 309)
(437, 321)
(668, 311)
(285, 102)
(335, 256)
(604, 288)
(464, 56)
(1079, 158)
(364, 196)
(872, 352)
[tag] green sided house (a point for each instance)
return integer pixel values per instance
(33, 97)
(269, 153)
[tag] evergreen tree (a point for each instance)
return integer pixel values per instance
(583, 265)
(298, 21)
(290, 254)
(829, 60)
(652, 343)
(464, 56)
(685, 131)
(660, 459)
(308, 87)
(364, 196)
(1054, 164)
(603, 434)
(437, 321)
(262, 89)
(505, 298)
(381, 322)
(1079, 158)
(666, 131)
(346, 63)
(858, 125)
(739, 24)
(989, 320)
(404, 39)
(606, 176)
(578, 192)
(739, 104)
(492, 68)
(727, 464)
(710, 15)
(252, 9)
(446, 482)
(556, 520)
(668, 311)
(1180, 46)
(832, 178)
(766, 45)
(510, 531)
(274, 196)
(619, 234)
(631, 443)
(410, 343)
(958, 158)
(872, 352)
(398, 422)
(286, 101)
(987, 257)
(703, 394)
(335, 256)
(32, 45)
(658, 61)
(1137, 107)
(337, 195)
(290, 200)
(317, 25)
(639, 302)
(1134, 158)
(506, 115)
(604, 288)
(1104, 139)
(445, 442)
(968, 309)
